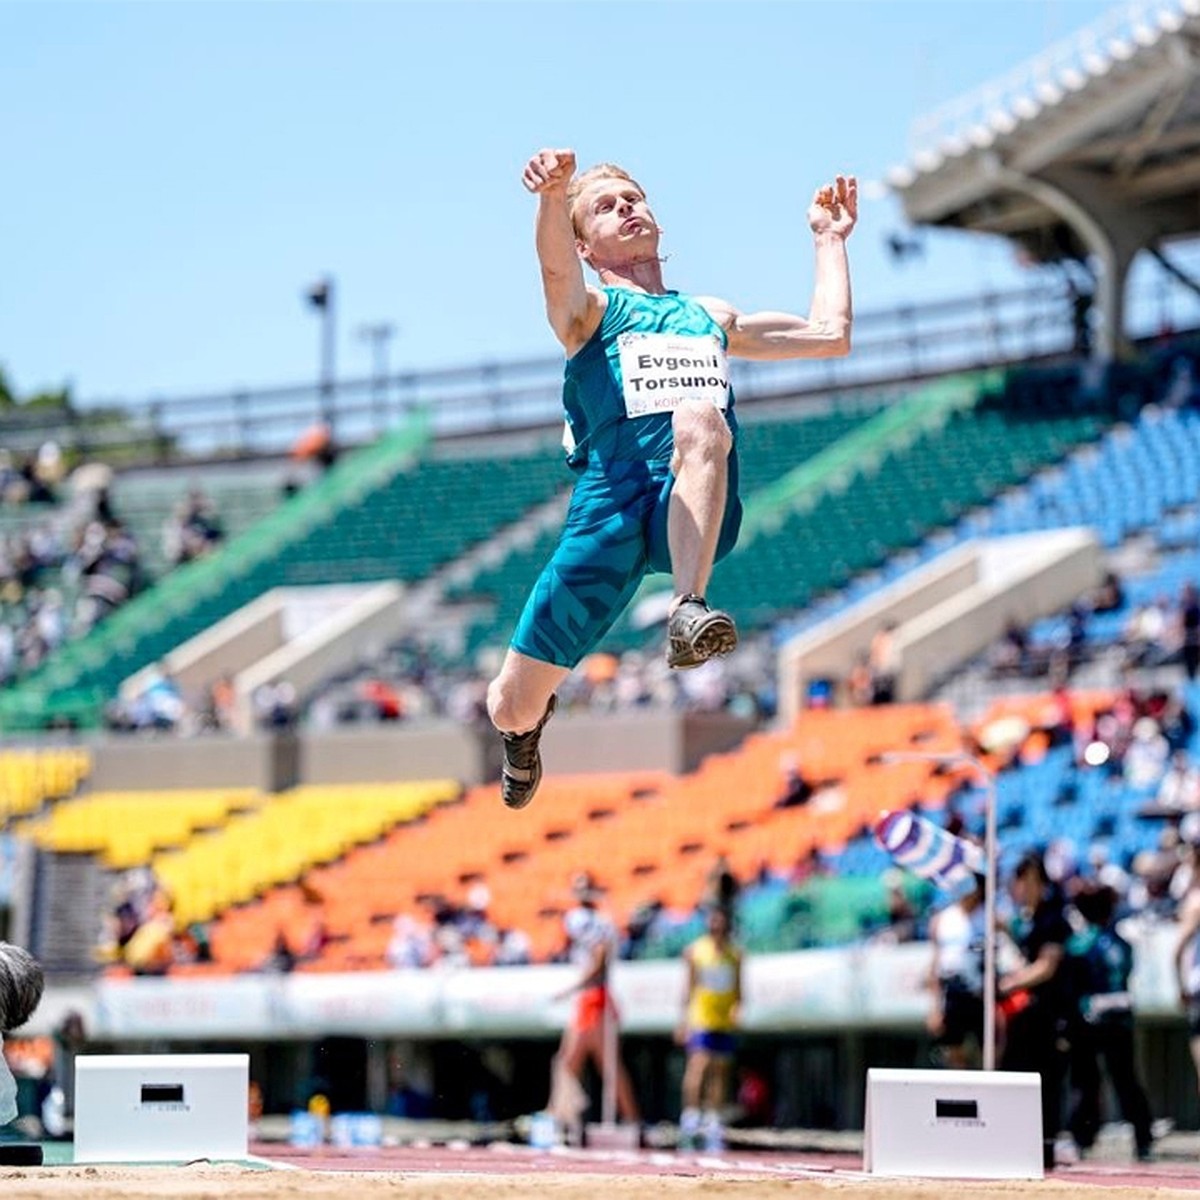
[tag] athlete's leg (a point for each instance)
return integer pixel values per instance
(520, 702)
(518, 696)
(693, 1078)
(701, 468)
(696, 633)
(596, 567)
(627, 1105)
(1194, 1045)
(574, 1049)
(716, 1092)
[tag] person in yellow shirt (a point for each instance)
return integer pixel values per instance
(710, 1017)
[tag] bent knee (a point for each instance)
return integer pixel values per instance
(700, 428)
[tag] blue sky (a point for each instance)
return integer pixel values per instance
(176, 173)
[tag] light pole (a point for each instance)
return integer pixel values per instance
(321, 297)
(960, 758)
(377, 336)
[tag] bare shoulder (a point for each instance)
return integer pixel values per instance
(721, 311)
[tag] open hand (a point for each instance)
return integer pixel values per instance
(835, 207)
(549, 171)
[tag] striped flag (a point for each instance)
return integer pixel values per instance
(929, 851)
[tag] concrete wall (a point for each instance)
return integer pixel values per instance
(585, 744)
(639, 741)
(376, 753)
(135, 763)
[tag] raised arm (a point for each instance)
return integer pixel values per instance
(825, 332)
(573, 308)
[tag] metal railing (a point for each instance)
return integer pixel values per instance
(1043, 80)
(891, 347)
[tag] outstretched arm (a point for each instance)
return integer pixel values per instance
(825, 332)
(574, 309)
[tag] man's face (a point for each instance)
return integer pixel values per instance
(615, 223)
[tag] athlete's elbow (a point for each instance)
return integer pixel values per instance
(835, 340)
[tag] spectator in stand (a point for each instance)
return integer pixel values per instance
(1010, 656)
(1177, 723)
(217, 710)
(382, 699)
(1110, 595)
(109, 568)
(1145, 758)
(722, 887)
(859, 687)
(281, 960)
(1179, 790)
(513, 948)
(1153, 872)
(275, 705)
(1144, 635)
(1189, 629)
(10, 479)
(193, 529)
(901, 915)
(883, 658)
(410, 945)
(796, 791)
(151, 950)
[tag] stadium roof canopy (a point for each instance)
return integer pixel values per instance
(1091, 149)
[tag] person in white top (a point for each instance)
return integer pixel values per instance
(592, 945)
(956, 977)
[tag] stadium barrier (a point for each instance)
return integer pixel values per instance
(576, 743)
(859, 988)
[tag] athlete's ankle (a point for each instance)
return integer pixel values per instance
(684, 598)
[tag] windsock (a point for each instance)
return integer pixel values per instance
(929, 851)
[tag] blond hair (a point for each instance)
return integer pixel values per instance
(599, 171)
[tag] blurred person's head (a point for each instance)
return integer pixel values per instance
(1029, 880)
(717, 922)
(21, 985)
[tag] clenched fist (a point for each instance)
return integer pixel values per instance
(835, 208)
(549, 171)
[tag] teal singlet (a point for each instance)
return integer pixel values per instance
(648, 354)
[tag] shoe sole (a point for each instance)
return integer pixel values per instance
(716, 638)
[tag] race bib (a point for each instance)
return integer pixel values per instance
(661, 370)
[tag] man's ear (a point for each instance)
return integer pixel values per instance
(581, 248)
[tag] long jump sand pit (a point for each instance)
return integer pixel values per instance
(479, 1173)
